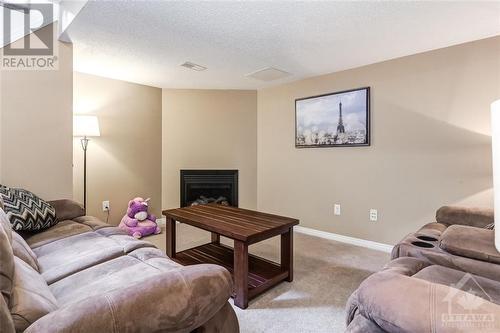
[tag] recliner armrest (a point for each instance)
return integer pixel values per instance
(405, 265)
(474, 217)
(470, 242)
(399, 303)
(67, 209)
(179, 300)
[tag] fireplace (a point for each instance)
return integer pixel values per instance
(205, 186)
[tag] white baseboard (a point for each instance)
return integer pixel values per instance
(163, 222)
(345, 239)
(328, 235)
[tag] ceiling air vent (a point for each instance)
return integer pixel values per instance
(22, 7)
(268, 74)
(193, 66)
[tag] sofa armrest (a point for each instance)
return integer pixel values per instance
(399, 303)
(175, 301)
(224, 321)
(67, 209)
(474, 217)
(404, 266)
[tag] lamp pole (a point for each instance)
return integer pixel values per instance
(83, 128)
(85, 142)
(495, 145)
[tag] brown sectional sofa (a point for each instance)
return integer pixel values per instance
(83, 275)
(443, 278)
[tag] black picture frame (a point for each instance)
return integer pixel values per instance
(352, 140)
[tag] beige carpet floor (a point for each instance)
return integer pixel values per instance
(326, 273)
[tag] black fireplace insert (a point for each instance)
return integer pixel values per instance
(206, 186)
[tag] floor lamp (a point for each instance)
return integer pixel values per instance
(495, 144)
(85, 127)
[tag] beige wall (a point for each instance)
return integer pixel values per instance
(36, 128)
(125, 161)
(209, 129)
(430, 144)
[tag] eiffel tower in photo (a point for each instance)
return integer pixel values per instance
(340, 125)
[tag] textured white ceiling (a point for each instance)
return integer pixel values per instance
(146, 41)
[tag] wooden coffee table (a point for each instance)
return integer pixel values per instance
(252, 275)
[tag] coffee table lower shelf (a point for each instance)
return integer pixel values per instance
(262, 273)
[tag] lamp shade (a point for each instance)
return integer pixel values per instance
(495, 145)
(86, 126)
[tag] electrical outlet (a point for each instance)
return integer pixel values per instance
(336, 209)
(373, 215)
(105, 206)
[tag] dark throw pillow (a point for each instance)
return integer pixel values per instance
(26, 211)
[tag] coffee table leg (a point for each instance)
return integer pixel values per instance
(241, 274)
(287, 253)
(171, 237)
(215, 238)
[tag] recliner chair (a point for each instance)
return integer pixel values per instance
(411, 295)
(460, 238)
(443, 278)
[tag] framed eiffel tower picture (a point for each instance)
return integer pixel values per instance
(340, 119)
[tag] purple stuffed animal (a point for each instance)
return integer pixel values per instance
(138, 222)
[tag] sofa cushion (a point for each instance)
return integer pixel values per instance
(470, 242)
(6, 257)
(67, 209)
(68, 255)
(93, 222)
(122, 272)
(26, 211)
(128, 243)
(59, 231)
(31, 298)
(23, 251)
(72, 254)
